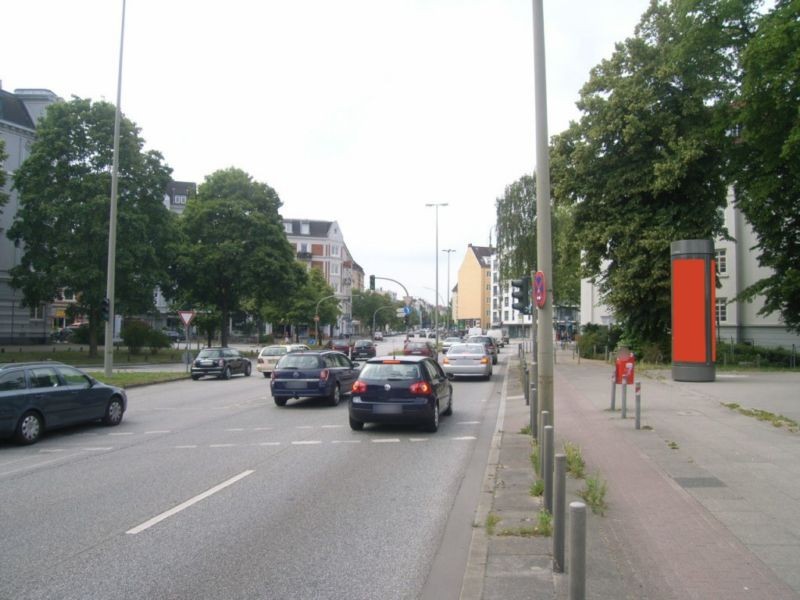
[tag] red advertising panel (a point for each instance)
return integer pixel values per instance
(688, 310)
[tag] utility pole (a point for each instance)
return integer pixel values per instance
(449, 251)
(544, 248)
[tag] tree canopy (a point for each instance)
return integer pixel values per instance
(3, 157)
(64, 199)
(768, 164)
(648, 162)
(232, 247)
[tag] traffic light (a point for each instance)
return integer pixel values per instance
(372, 282)
(104, 310)
(522, 295)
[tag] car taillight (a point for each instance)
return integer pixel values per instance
(446, 360)
(359, 387)
(420, 387)
(260, 360)
(484, 361)
(323, 375)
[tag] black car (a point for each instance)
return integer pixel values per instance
(363, 349)
(221, 363)
(316, 374)
(35, 397)
(402, 389)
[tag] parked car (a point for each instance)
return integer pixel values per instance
(468, 360)
(377, 336)
(497, 335)
(39, 396)
(403, 389)
(363, 349)
(220, 362)
(270, 355)
(416, 348)
(174, 335)
(448, 342)
(314, 374)
(487, 341)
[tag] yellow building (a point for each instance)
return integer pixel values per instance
(475, 287)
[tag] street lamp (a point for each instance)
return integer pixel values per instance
(449, 251)
(436, 206)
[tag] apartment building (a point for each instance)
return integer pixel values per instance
(473, 301)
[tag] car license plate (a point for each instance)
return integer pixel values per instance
(387, 409)
(295, 385)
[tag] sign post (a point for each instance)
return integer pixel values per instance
(187, 316)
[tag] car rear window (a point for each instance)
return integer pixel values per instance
(389, 371)
(273, 351)
(417, 345)
(299, 361)
(467, 349)
(217, 353)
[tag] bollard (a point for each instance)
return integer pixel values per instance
(534, 413)
(544, 421)
(559, 508)
(624, 398)
(577, 551)
(548, 468)
(638, 405)
(613, 391)
(525, 380)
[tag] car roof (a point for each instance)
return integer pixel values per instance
(400, 358)
(38, 363)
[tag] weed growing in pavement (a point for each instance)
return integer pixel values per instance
(535, 457)
(543, 527)
(594, 494)
(526, 430)
(763, 415)
(673, 445)
(576, 466)
(491, 522)
(537, 487)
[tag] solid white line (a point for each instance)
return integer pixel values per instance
(387, 441)
(173, 511)
(187, 446)
(269, 443)
(468, 423)
(157, 431)
(122, 433)
(418, 439)
(332, 426)
(235, 429)
(262, 429)
(221, 445)
(304, 427)
(307, 443)
(466, 437)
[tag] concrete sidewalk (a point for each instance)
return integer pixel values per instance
(702, 501)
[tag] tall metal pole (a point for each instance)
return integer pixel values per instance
(544, 328)
(436, 206)
(108, 346)
(449, 251)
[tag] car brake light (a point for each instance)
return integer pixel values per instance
(484, 361)
(420, 387)
(323, 375)
(359, 387)
(446, 360)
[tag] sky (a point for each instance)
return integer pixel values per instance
(355, 111)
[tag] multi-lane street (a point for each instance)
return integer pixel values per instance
(209, 490)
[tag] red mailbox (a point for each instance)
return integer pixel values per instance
(624, 366)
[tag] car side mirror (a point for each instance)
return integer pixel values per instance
(451, 377)
(355, 365)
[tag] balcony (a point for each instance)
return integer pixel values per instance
(304, 256)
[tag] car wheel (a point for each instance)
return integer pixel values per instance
(449, 410)
(356, 425)
(114, 412)
(266, 375)
(195, 377)
(247, 369)
(226, 374)
(29, 429)
(336, 396)
(280, 401)
(432, 425)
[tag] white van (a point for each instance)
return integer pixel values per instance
(474, 331)
(497, 336)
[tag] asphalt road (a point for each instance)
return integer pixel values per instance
(209, 490)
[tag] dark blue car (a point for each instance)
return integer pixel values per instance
(325, 374)
(402, 389)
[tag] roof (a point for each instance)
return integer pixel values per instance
(13, 110)
(483, 254)
(316, 228)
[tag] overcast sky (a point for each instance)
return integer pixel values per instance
(359, 111)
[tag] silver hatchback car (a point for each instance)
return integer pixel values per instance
(468, 360)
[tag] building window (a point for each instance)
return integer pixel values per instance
(305, 229)
(334, 250)
(68, 294)
(505, 315)
(287, 227)
(37, 312)
(722, 260)
(505, 300)
(303, 247)
(335, 269)
(722, 310)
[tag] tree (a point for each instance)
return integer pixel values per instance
(768, 165)
(233, 247)
(3, 195)
(648, 162)
(64, 194)
(516, 240)
(374, 304)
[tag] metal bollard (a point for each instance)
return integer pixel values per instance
(613, 391)
(638, 405)
(559, 509)
(525, 383)
(624, 398)
(544, 421)
(577, 551)
(548, 468)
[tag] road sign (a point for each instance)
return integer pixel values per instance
(401, 312)
(539, 291)
(186, 316)
(406, 311)
(316, 318)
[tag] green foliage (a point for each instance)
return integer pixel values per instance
(768, 160)
(537, 487)
(535, 460)
(647, 162)
(757, 356)
(3, 195)
(63, 218)
(594, 494)
(491, 522)
(576, 466)
(136, 335)
(158, 340)
(367, 305)
(595, 339)
(232, 249)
